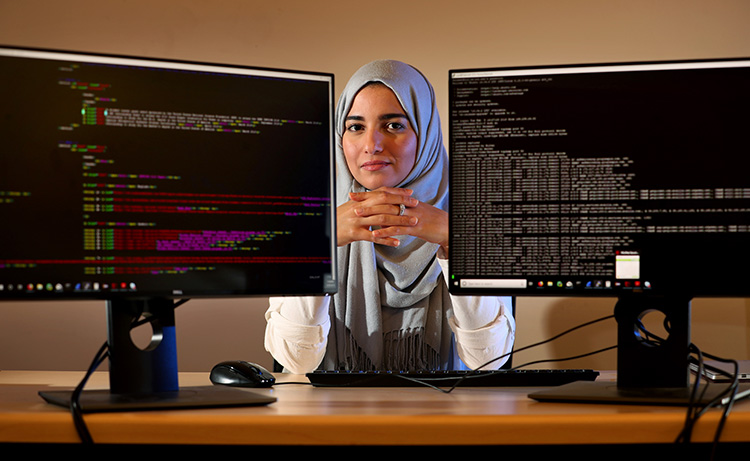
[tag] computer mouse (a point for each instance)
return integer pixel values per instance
(240, 373)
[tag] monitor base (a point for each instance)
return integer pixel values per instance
(609, 392)
(92, 401)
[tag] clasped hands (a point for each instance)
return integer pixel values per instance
(374, 216)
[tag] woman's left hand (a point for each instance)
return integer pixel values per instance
(431, 226)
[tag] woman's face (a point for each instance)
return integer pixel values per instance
(379, 144)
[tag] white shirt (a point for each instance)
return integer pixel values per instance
(297, 329)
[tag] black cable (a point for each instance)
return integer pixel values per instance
(727, 409)
(586, 354)
(530, 346)
(553, 338)
(694, 409)
(649, 337)
(548, 340)
(729, 394)
(75, 398)
(692, 414)
(75, 406)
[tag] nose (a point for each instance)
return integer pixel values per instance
(373, 142)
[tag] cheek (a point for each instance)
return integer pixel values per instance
(350, 153)
(409, 153)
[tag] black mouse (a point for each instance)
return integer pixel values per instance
(241, 374)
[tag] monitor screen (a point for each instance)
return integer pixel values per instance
(601, 180)
(124, 177)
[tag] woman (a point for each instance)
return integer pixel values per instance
(392, 310)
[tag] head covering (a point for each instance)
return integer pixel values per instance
(389, 309)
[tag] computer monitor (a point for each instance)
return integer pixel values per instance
(622, 180)
(142, 182)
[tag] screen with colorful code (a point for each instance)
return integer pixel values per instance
(126, 176)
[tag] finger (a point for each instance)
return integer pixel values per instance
(392, 231)
(394, 209)
(384, 194)
(384, 204)
(395, 190)
(391, 242)
(390, 220)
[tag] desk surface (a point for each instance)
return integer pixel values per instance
(304, 415)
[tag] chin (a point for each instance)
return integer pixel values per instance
(372, 185)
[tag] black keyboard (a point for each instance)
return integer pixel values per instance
(439, 378)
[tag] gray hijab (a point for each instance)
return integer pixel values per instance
(389, 312)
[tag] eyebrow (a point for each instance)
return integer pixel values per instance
(382, 117)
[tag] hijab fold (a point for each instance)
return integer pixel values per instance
(389, 312)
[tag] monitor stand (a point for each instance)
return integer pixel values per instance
(650, 371)
(146, 378)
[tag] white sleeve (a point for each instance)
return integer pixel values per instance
(297, 331)
(484, 328)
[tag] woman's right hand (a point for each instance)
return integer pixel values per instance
(356, 218)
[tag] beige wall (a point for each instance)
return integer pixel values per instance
(339, 36)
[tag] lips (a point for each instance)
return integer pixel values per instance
(374, 165)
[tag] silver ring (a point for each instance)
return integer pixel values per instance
(401, 209)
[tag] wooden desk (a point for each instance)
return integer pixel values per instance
(309, 416)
